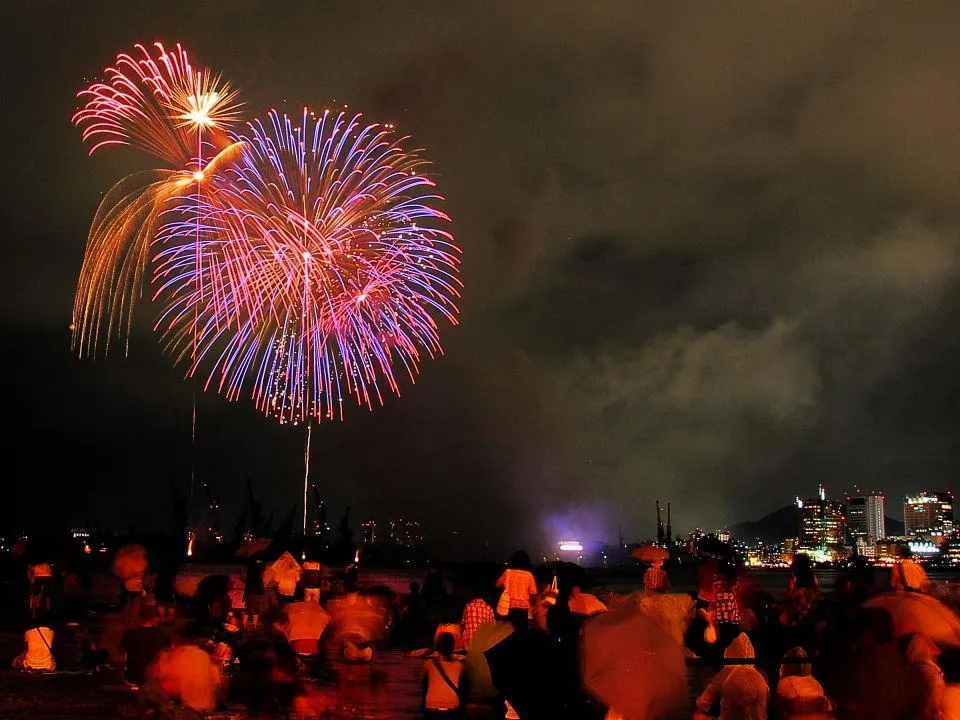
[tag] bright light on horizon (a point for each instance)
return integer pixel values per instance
(570, 546)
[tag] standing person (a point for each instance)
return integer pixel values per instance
(519, 585)
(441, 679)
(477, 612)
(38, 654)
(133, 597)
(141, 645)
(655, 578)
(312, 577)
(724, 609)
(164, 592)
(40, 578)
(803, 590)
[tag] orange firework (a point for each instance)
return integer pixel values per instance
(160, 104)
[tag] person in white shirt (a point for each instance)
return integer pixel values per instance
(441, 677)
(39, 652)
(519, 586)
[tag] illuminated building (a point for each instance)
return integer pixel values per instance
(368, 531)
(890, 550)
(822, 529)
(928, 515)
(865, 519)
(951, 550)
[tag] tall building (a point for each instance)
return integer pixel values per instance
(857, 515)
(928, 515)
(946, 511)
(876, 517)
(368, 531)
(865, 517)
(822, 529)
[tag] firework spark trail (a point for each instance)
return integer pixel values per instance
(160, 104)
(325, 268)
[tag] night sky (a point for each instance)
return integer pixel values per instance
(710, 255)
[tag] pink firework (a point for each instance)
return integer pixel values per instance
(326, 268)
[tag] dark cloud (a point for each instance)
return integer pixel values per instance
(710, 256)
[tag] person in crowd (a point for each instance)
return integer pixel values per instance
(38, 654)
(163, 591)
(182, 682)
(141, 646)
(803, 590)
(476, 612)
(311, 581)
(519, 587)
(40, 580)
(923, 679)
(75, 650)
(740, 691)
(909, 576)
(433, 587)
(799, 695)
(869, 684)
(441, 679)
(450, 628)
(132, 597)
(724, 609)
(655, 578)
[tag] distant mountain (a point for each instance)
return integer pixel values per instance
(783, 523)
(770, 528)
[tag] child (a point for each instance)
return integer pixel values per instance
(441, 680)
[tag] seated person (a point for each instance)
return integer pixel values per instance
(441, 677)
(38, 654)
(740, 690)
(141, 645)
(75, 650)
(799, 695)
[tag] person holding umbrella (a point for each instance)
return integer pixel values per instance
(655, 578)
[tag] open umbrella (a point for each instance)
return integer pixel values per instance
(632, 666)
(130, 561)
(650, 553)
(283, 574)
(586, 604)
(914, 612)
(525, 669)
(485, 637)
(305, 621)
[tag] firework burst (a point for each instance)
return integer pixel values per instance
(325, 268)
(160, 104)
